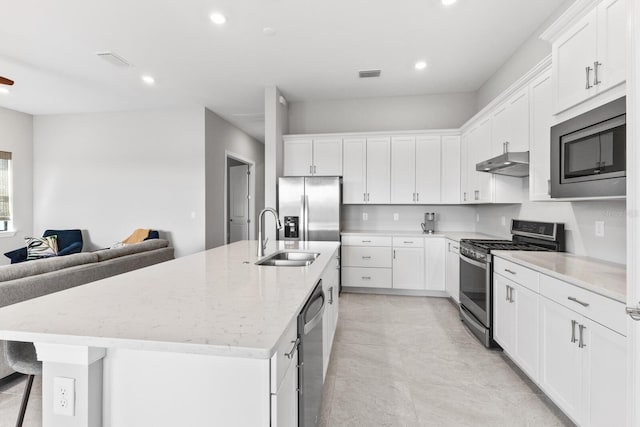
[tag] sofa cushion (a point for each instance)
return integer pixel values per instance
(134, 248)
(45, 265)
(41, 247)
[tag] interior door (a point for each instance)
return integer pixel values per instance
(238, 203)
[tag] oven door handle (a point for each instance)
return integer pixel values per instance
(473, 262)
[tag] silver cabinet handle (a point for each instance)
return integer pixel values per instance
(510, 271)
(366, 241)
(633, 312)
(511, 294)
(408, 241)
(596, 64)
(368, 197)
(588, 70)
(331, 295)
(414, 197)
(366, 257)
(293, 349)
(311, 169)
(465, 197)
(506, 298)
(477, 194)
(548, 187)
(584, 304)
(573, 331)
(364, 197)
(394, 254)
(366, 277)
(581, 343)
(417, 197)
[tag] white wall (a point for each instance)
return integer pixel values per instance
(448, 218)
(276, 118)
(110, 173)
(579, 219)
(16, 136)
(221, 136)
(442, 111)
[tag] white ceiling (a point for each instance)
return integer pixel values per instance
(48, 48)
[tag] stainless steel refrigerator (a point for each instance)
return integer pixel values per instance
(309, 208)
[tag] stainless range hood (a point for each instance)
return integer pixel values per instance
(510, 164)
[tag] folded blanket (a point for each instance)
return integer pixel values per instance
(138, 236)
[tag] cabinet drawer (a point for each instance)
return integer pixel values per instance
(280, 362)
(519, 274)
(603, 310)
(366, 240)
(366, 277)
(354, 256)
(408, 242)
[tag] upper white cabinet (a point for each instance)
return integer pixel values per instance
(354, 177)
(378, 170)
(450, 174)
(589, 58)
(510, 124)
(415, 169)
(313, 157)
(540, 140)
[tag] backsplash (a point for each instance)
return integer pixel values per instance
(579, 219)
(380, 217)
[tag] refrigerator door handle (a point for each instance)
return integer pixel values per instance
(306, 217)
(302, 218)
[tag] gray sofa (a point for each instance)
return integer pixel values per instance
(32, 279)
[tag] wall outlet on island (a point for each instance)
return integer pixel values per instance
(503, 220)
(64, 396)
(600, 228)
(396, 217)
(365, 216)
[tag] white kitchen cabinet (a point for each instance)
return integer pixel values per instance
(435, 259)
(526, 352)
(590, 57)
(510, 124)
(451, 173)
(284, 403)
(540, 140)
(330, 286)
(452, 270)
(313, 157)
(504, 313)
(428, 166)
(354, 179)
(366, 170)
(415, 169)
(379, 170)
(465, 169)
(367, 261)
(480, 183)
(408, 268)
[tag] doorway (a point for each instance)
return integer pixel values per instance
(238, 199)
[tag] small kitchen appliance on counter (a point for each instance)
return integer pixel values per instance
(429, 224)
(476, 270)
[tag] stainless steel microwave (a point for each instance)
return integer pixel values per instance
(589, 153)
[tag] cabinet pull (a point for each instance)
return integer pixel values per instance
(408, 241)
(588, 70)
(584, 304)
(511, 294)
(293, 349)
(310, 170)
(510, 271)
(366, 257)
(331, 295)
(573, 331)
(364, 197)
(414, 197)
(548, 187)
(465, 197)
(366, 241)
(394, 254)
(366, 277)
(507, 293)
(477, 194)
(596, 64)
(581, 343)
(417, 197)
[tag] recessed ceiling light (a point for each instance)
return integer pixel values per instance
(448, 2)
(268, 31)
(4, 91)
(421, 65)
(218, 18)
(148, 79)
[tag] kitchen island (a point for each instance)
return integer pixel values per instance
(199, 340)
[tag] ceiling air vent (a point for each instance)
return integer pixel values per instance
(366, 74)
(113, 59)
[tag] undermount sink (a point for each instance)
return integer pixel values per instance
(289, 259)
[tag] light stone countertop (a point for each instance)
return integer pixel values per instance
(601, 277)
(453, 235)
(216, 302)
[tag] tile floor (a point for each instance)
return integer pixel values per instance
(407, 361)
(398, 361)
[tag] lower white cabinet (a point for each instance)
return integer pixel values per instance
(408, 268)
(435, 253)
(582, 366)
(452, 270)
(331, 288)
(284, 403)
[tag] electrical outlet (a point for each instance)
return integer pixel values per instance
(503, 220)
(600, 228)
(365, 216)
(64, 396)
(396, 217)
(477, 217)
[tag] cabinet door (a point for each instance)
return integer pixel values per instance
(605, 376)
(560, 358)
(403, 170)
(327, 157)
(427, 159)
(298, 157)
(510, 124)
(503, 313)
(465, 168)
(408, 268)
(539, 152)
(572, 54)
(379, 170)
(481, 182)
(452, 272)
(451, 174)
(435, 255)
(284, 404)
(525, 346)
(354, 170)
(612, 32)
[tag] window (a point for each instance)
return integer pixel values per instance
(5, 190)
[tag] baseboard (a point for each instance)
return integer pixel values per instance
(398, 292)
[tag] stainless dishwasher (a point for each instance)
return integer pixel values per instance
(310, 359)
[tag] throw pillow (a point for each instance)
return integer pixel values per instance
(41, 247)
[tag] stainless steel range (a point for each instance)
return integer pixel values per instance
(476, 270)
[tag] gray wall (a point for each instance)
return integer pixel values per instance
(532, 51)
(441, 111)
(16, 136)
(221, 137)
(579, 219)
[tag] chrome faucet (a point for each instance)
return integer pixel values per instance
(262, 245)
